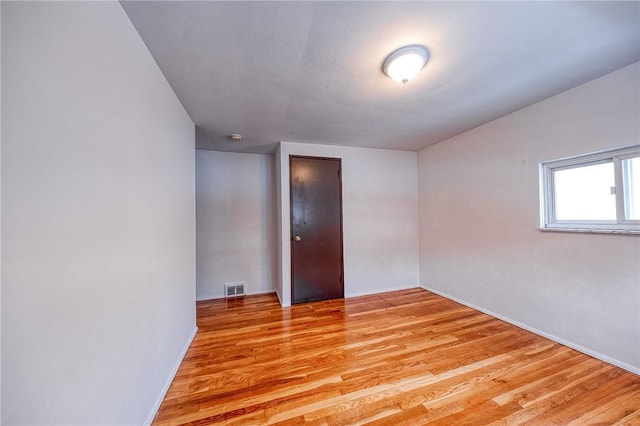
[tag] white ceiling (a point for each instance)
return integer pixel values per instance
(311, 71)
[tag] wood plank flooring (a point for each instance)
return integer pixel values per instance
(402, 358)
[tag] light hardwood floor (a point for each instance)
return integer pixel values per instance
(401, 358)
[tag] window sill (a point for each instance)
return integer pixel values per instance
(593, 231)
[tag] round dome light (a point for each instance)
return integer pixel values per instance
(405, 63)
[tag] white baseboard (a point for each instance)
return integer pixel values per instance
(280, 300)
(165, 388)
(221, 295)
(556, 339)
(349, 294)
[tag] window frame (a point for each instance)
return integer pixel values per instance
(620, 225)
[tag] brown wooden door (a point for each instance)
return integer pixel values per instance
(316, 229)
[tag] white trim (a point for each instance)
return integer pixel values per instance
(282, 305)
(620, 198)
(593, 231)
(349, 295)
(626, 152)
(598, 355)
(250, 293)
(620, 225)
(172, 375)
(626, 183)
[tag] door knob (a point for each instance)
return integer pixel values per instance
(297, 238)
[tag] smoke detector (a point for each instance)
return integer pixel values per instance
(235, 137)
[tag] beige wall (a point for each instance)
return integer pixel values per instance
(479, 213)
(380, 217)
(98, 219)
(235, 222)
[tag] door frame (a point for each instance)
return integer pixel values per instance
(291, 234)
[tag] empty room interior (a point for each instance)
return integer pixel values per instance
(322, 213)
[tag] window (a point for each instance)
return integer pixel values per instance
(597, 192)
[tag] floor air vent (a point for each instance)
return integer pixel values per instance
(235, 289)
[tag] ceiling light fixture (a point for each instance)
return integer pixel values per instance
(405, 63)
